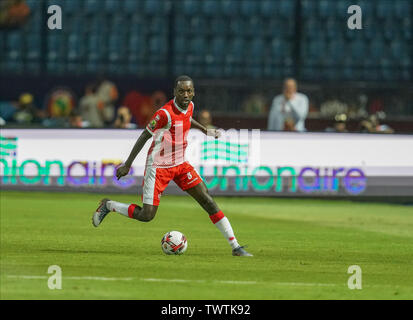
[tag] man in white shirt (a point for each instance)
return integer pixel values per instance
(289, 109)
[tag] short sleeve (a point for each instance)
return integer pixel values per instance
(158, 121)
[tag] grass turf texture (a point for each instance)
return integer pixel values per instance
(302, 249)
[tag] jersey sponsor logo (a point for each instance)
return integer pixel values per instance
(189, 182)
(152, 124)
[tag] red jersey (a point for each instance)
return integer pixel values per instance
(169, 126)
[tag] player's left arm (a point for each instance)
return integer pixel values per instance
(209, 132)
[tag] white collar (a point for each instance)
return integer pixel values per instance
(179, 108)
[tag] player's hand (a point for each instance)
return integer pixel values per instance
(213, 133)
(123, 170)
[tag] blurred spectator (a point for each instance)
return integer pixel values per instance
(339, 124)
(289, 109)
(75, 120)
(205, 119)
(141, 107)
(332, 107)
(123, 119)
(108, 95)
(60, 103)
(91, 107)
(8, 109)
(255, 104)
(13, 13)
(26, 110)
(372, 124)
(159, 99)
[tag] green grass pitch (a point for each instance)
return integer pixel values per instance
(302, 249)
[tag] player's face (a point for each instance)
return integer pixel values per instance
(184, 93)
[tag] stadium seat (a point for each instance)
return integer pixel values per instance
(71, 6)
(14, 48)
(309, 9)
(33, 45)
(34, 22)
(97, 24)
(197, 24)
(325, 8)
(256, 50)
(74, 24)
(131, 6)
(156, 25)
(407, 29)
(75, 47)
(237, 27)
(268, 9)
(197, 50)
(341, 7)
(190, 8)
(401, 7)
(116, 47)
(55, 53)
(156, 7)
(230, 8)
(388, 28)
(312, 27)
(91, 7)
(96, 48)
(34, 4)
(249, 8)
(158, 45)
(180, 44)
(218, 25)
(253, 26)
(332, 28)
(358, 51)
(209, 8)
(236, 46)
(286, 8)
(384, 9)
(277, 51)
(112, 6)
(117, 22)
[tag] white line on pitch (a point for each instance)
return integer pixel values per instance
(198, 281)
(294, 284)
(72, 278)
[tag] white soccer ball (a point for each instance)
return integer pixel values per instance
(174, 242)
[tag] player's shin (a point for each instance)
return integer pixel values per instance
(222, 223)
(122, 208)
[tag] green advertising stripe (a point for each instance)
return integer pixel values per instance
(216, 142)
(8, 146)
(223, 158)
(238, 152)
(4, 153)
(8, 139)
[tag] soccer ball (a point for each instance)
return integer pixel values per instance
(174, 242)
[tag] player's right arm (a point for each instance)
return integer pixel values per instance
(158, 121)
(123, 170)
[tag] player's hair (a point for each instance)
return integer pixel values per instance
(183, 78)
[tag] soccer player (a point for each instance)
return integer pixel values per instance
(169, 127)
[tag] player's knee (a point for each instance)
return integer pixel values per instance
(146, 216)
